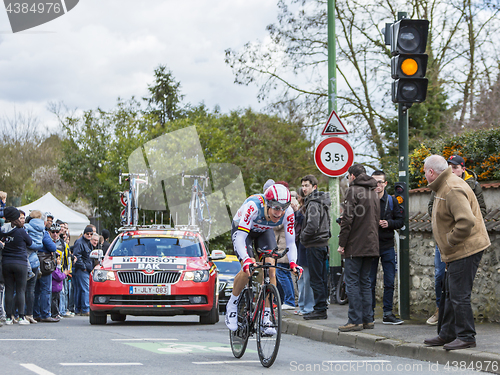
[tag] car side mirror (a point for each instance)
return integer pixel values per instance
(97, 254)
(217, 255)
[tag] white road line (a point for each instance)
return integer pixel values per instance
(36, 369)
(144, 339)
(27, 339)
(102, 364)
(222, 362)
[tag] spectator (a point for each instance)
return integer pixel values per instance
(314, 236)
(2, 288)
(457, 164)
(14, 265)
(35, 227)
(105, 244)
(43, 287)
(358, 244)
(306, 294)
(59, 229)
(58, 277)
(81, 271)
(49, 219)
(391, 218)
(459, 230)
(3, 199)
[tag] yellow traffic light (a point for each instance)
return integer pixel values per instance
(409, 67)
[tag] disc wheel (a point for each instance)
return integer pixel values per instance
(239, 338)
(340, 293)
(269, 326)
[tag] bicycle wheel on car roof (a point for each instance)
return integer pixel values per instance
(239, 338)
(269, 326)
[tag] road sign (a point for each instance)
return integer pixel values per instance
(124, 198)
(334, 125)
(333, 156)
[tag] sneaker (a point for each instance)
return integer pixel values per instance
(349, 327)
(8, 321)
(287, 307)
(316, 315)
(15, 319)
(433, 320)
(369, 325)
(69, 314)
(30, 319)
(391, 319)
(23, 321)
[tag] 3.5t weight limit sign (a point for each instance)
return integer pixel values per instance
(333, 156)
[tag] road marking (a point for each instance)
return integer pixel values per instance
(144, 339)
(27, 339)
(223, 362)
(102, 364)
(36, 369)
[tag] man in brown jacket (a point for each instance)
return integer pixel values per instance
(460, 233)
(358, 243)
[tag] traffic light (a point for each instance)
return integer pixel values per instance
(399, 193)
(408, 66)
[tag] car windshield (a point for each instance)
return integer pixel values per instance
(231, 268)
(156, 246)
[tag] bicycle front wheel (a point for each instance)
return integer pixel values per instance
(239, 338)
(269, 326)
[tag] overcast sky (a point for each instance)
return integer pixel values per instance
(105, 49)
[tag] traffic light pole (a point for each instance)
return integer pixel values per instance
(333, 182)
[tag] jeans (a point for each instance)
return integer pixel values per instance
(81, 280)
(358, 289)
(306, 294)
(458, 318)
(285, 282)
(15, 277)
(2, 292)
(316, 259)
(43, 296)
(71, 294)
(439, 268)
(30, 293)
(63, 298)
(388, 259)
(54, 307)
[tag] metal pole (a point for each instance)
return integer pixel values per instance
(333, 182)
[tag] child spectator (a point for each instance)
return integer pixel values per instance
(58, 277)
(35, 228)
(3, 199)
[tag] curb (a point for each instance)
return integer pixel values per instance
(454, 359)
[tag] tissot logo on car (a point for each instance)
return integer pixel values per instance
(26, 14)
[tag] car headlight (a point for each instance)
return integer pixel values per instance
(229, 285)
(103, 275)
(196, 276)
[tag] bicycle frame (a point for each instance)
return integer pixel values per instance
(132, 209)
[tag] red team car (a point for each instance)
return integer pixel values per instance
(155, 272)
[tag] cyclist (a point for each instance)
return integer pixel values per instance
(254, 222)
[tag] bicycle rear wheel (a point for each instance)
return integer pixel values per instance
(340, 293)
(269, 326)
(239, 338)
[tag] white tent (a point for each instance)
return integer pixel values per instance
(48, 203)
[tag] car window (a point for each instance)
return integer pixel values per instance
(231, 268)
(156, 246)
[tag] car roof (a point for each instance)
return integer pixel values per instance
(228, 258)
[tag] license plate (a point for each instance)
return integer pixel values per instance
(165, 290)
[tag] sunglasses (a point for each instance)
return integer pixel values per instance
(54, 231)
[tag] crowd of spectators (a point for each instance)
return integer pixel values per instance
(42, 277)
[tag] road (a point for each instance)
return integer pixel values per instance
(176, 345)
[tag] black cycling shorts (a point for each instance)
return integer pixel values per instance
(256, 240)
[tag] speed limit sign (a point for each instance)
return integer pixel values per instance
(333, 156)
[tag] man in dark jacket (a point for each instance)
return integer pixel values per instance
(358, 243)
(391, 218)
(81, 270)
(314, 237)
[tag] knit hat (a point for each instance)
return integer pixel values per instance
(88, 230)
(105, 233)
(11, 213)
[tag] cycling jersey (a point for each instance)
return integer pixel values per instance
(251, 218)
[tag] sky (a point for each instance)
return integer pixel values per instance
(105, 49)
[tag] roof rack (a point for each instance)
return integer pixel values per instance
(150, 227)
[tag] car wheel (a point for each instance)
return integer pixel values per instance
(96, 318)
(213, 316)
(115, 317)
